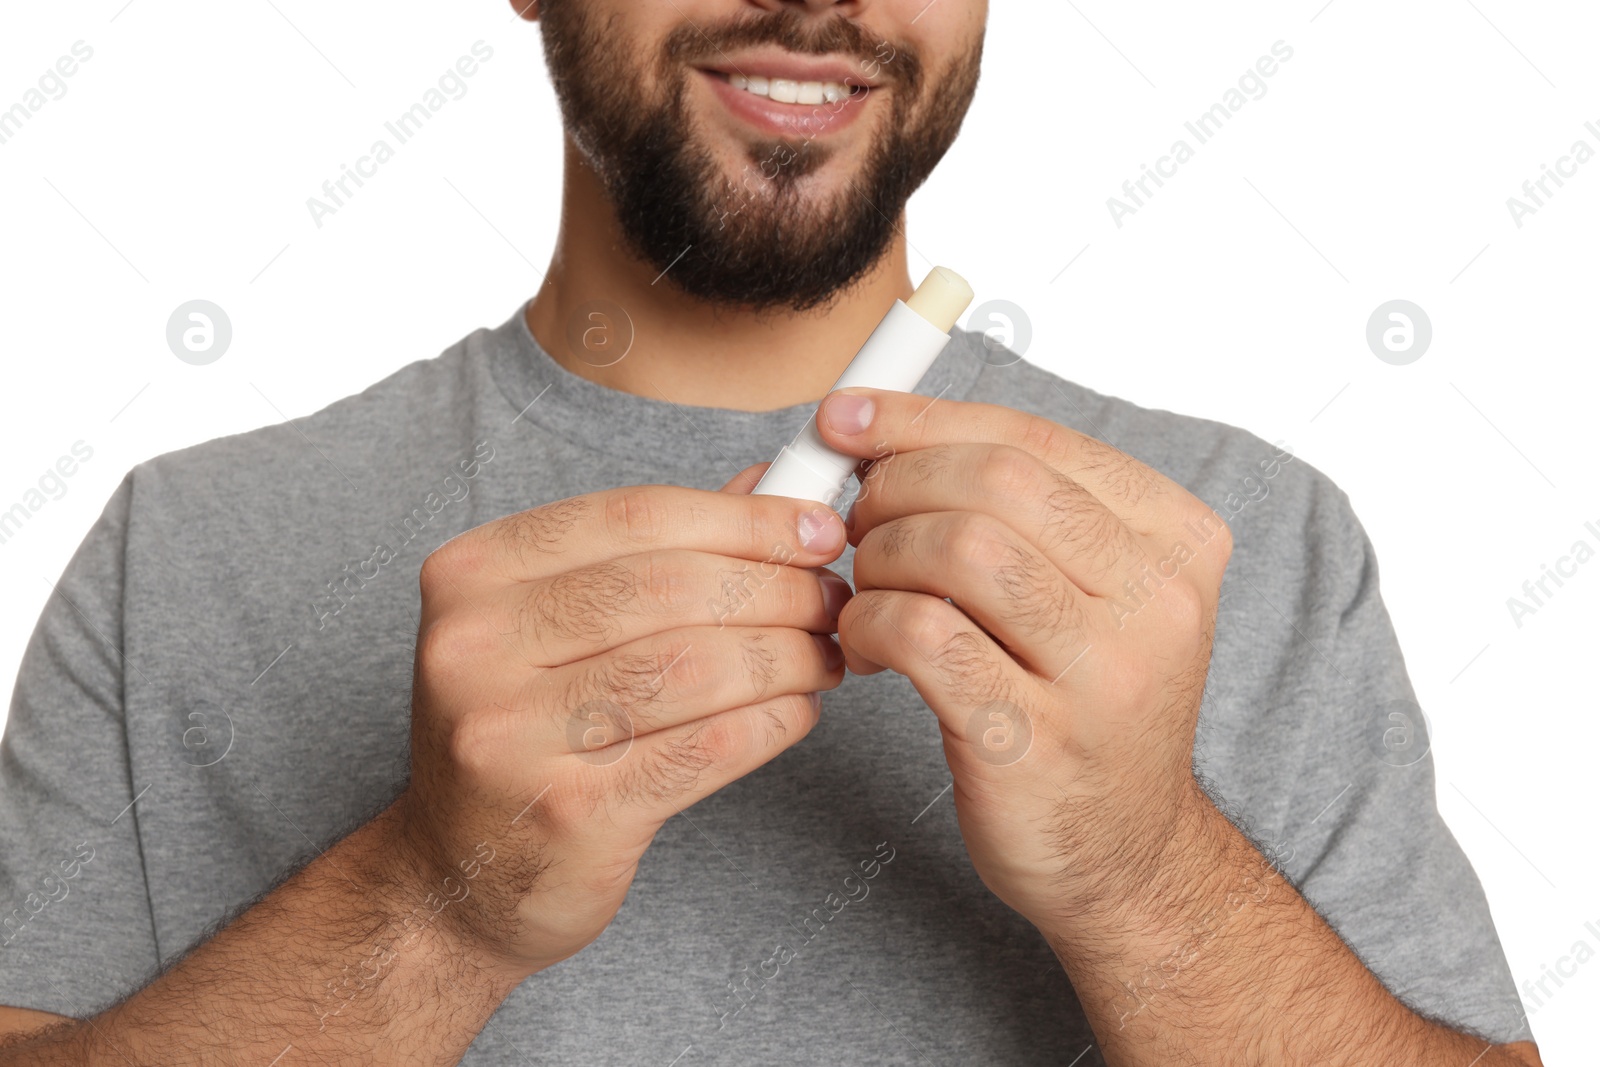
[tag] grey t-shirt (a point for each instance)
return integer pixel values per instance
(221, 684)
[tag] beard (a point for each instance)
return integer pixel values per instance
(758, 243)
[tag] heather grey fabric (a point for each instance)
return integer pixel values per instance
(222, 683)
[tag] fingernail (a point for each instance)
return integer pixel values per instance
(820, 530)
(832, 654)
(816, 701)
(847, 413)
(836, 593)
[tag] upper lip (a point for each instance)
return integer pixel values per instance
(788, 65)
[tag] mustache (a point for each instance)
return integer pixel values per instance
(883, 60)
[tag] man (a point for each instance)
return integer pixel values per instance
(465, 721)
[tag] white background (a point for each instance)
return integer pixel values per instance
(1376, 167)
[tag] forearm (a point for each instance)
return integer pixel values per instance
(1217, 959)
(346, 962)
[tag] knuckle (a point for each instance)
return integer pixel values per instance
(635, 515)
(476, 743)
(668, 583)
(926, 620)
(449, 643)
(1184, 607)
(1041, 437)
(714, 740)
(446, 566)
(1009, 474)
(692, 668)
(978, 542)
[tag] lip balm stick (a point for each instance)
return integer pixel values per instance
(896, 356)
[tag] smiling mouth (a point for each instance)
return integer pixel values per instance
(789, 91)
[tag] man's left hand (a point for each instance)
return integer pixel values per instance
(1066, 669)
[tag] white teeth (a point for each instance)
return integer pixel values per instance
(788, 91)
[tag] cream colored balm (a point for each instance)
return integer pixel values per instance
(896, 356)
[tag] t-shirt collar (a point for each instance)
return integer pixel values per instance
(664, 429)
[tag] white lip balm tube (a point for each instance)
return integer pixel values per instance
(896, 356)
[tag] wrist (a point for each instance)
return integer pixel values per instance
(429, 901)
(1176, 899)
(1145, 866)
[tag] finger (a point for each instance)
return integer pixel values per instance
(980, 695)
(992, 575)
(1068, 525)
(905, 422)
(583, 612)
(668, 680)
(746, 479)
(582, 530)
(673, 769)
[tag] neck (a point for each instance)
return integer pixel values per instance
(684, 350)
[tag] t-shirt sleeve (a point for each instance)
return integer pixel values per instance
(1372, 854)
(76, 931)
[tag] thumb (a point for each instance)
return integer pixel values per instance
(746, 479)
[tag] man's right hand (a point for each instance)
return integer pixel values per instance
(585, 670)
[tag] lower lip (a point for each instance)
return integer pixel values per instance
(789, 120)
